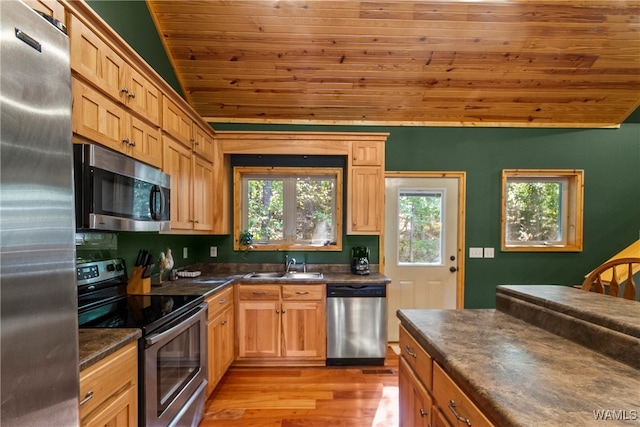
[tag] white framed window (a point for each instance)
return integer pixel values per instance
(542, 210)
(289, 208)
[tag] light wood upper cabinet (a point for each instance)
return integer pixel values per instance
(109, 390)
(179, 124)
(203, 189)
(176, 122)
(98, 118)
(48, 7)
(281, 323)
(97, 63)
(191, 187)
(367, 153)
(365, 200)
(178, 163)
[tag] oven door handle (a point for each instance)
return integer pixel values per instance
(177, 329)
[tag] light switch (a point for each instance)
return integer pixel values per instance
(213, 251)
(475, 252)
(488, 252)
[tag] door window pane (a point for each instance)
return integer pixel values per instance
(419, 227)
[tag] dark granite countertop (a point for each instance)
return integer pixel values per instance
(614, 313)
(521, 375)
(96, 344)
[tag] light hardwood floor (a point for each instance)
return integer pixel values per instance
(363, 396)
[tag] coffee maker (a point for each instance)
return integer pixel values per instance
(360, 260)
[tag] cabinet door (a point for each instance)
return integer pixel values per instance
(258, 329)
(202, 143)
(367, 153)
(48, 7)
(96, 61)
(304, 326)
(415, 401)
(120, 412)
(366, 193)
(143, 97)
(176, 122)
(222, 345)
(177, 163)
(145, 143)
(202, 194)
(97, 118)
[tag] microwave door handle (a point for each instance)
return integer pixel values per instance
(156, 191)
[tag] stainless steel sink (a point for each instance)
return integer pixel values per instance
(293, 275)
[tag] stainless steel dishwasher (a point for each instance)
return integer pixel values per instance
(356, 324)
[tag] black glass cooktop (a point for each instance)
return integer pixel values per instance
(147, 312)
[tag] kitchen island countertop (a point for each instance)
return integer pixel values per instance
(520, 374)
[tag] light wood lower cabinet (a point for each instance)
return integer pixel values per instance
(220, 336)
(427, 392)
(281, 323)
(109, 390)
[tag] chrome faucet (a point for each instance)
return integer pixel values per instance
(290, 262)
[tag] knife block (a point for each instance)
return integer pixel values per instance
(137, 284)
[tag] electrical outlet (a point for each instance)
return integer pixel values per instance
(475, 253)
(185, 252)
(488, 252)
(213, 251)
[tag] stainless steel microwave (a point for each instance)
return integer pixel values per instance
(118, 193)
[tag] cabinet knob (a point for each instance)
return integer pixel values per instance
(126, 141)
(277, 311)
(132, 143)
(131, 95)
(224, 322)
(124, 90)
(423, 413)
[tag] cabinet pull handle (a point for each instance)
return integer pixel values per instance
(224, 322)
(258, 293)
(87, 397)
(222, 301)
(452, 408)
(302, 292)
(423, 413)
(408, 350)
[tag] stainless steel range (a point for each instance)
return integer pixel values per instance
(172, 358)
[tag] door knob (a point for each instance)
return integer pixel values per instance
(453, 269)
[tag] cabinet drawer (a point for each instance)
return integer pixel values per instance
(417, 358)
(106, 379)
(258, 292)
(219, 301)
(451, 399)
(303, 292)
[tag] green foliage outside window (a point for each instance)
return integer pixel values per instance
(533, 211)
(419, 227)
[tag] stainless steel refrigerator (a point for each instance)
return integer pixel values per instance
(38, 300)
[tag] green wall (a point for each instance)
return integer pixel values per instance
(609, 157)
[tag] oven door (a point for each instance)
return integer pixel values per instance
(175, 371)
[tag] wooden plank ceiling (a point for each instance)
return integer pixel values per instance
(535, 63)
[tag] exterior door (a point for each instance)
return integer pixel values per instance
(422, 249)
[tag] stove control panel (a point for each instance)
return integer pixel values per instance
(98, 271)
